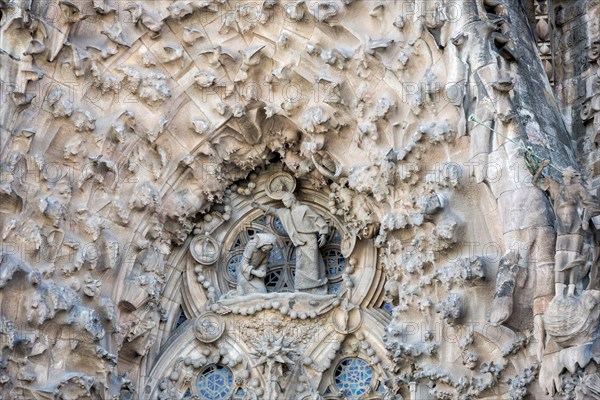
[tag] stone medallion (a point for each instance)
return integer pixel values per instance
(204, 249)
(208, 327)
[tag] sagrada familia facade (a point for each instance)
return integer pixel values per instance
(299, 199)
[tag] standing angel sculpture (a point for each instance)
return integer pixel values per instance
(308, 232)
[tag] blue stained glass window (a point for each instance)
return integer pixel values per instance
(215, 383)
(278, 225)
(276, 256)
(353, 377)
(388, 308)
(232, 267)
(337, 238)
(334, 287)
(334, 263)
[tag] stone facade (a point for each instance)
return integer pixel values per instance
(299, 200)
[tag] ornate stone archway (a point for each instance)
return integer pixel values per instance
(312, 335)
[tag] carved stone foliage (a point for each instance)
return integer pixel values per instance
(299, 200)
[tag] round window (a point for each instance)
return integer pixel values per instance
(215, 383)
(353, 377)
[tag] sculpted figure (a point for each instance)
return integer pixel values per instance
(273, 354)
(485, 95)
(308, 231)
(253, 268)
(574, 207)
(502, 305)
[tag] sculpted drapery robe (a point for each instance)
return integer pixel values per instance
(303, 225)
(254, 259)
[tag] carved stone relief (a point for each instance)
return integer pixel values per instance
(295, 200)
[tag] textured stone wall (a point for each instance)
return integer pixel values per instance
(143, 142)
(576, 35)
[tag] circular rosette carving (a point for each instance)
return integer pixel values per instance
(279, 184)
(204, 249)
(587, 111)
(208, 327)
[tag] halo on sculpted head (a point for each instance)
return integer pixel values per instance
(279, 184)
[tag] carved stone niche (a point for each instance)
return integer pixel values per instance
(270, 356)
(273, 356)
(278, 344)
(207, 284)
(188, 364)
(359, 355)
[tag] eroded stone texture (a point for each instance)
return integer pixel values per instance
(299, 200)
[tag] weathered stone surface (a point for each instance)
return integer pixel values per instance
(400, 152)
